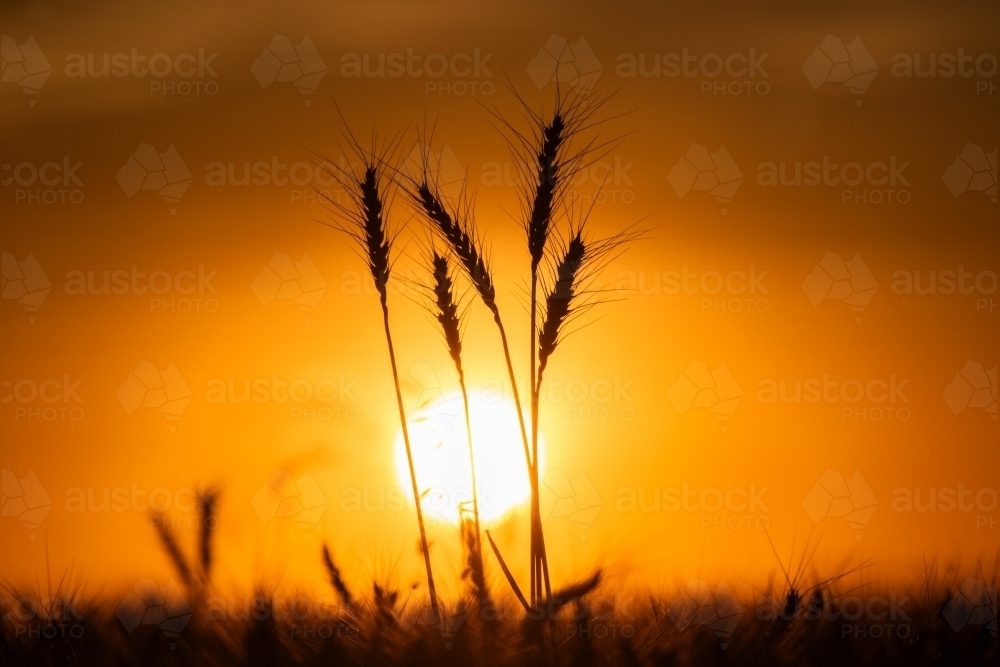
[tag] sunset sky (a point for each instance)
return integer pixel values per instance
(772, 356)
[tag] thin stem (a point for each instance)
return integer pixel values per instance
(535, 514)
(472, 464)
(535, 518)
(532, 472)
(513, 385)
(409, 458)
(461, 238)
(540, 561)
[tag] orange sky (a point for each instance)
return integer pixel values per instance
(721, 292)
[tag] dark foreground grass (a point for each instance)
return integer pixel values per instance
(948, 617)
(695, 627)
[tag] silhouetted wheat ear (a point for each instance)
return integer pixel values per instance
(474, 559)
(337, 581)
(575, 591)
(173, 550)
(559, 302)
(368, 229)
(207, 507)
(385, 604)
(545, 190)
(461, 239)
(446, 308)
(461, 242)
(373, 227)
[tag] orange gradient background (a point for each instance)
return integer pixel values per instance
(635, 439)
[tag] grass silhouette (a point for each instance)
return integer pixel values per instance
(935, 622)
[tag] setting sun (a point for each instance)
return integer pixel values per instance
(441, 457)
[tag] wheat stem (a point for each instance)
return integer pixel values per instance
(432, 591)
(461, 240)
(370, 233)
(447, 314)
(538, 226)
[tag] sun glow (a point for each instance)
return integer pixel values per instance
(441, 457)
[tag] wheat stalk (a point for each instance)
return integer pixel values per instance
(447, 314)
(569, 291)
(337, 581)
(365, 215)
(173, 549)
(548, 181)
(558, 302)
(474, 571)
(208, 504)
(546, 164)
(457, 228)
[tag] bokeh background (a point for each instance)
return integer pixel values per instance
(676, 441)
